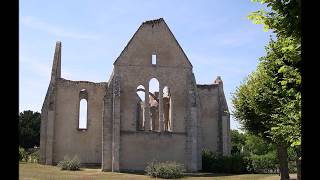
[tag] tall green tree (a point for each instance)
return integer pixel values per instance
(29, 129)
(268, 104)
(283, 64)
(255, 104)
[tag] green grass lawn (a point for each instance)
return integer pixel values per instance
(31, 171)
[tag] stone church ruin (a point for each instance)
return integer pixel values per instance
(128, 124)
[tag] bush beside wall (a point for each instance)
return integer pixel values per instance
(31, 155)
(167, 170)
(22, 154)
(240, 163)
(235, 164)
(70, 164)
(264, 163)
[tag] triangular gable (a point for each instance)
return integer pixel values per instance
(153, 35)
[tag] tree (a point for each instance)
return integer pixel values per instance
(283, 64)
(237, 141)
(255, 103)
(257, 146)
(268, 104)
(29, 129)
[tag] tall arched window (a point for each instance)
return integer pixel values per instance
(167, 104)
(154, 103)
(140, 96)
(83, 110)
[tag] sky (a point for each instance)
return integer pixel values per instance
(216, 36)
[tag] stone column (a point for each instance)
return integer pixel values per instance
(192, 122)
(219, 126)
(107, 131)
(43, 135)
(48, 111)
(225, 134)
(220, 115)
(50, 126)
(116, 124)
(50, 136)
(171, 109)
(161, 124)
(144, 115)
(147, 123)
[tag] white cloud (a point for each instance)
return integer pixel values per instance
(35, 23)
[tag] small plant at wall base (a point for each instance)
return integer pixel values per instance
(167, 170)
(70, 164)
(32, 155)
(22, 154)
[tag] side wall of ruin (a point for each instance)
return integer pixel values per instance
(69, 140)
(208, 95)
(215, 119)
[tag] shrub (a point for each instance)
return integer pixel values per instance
(264, 163)
(22, 154)
(167, 170)
(34, 156)
(70, 164)
(235, 163)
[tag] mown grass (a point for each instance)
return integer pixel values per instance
(32, 171)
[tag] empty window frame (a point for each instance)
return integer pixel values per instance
(167, 105)
(154, 103)
(140, 96)
(154, 58)
(83, 110)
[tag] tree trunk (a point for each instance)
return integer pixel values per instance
(282, 152)
(298, 169)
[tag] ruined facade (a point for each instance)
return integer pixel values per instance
(127, 124)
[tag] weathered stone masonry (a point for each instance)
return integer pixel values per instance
(125, 130)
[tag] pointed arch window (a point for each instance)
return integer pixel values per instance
(140, 96)
(83, 110)
(154, 103)
(167, 105)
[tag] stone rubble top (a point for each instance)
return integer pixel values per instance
(155, 21)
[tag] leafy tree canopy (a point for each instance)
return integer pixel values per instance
(268, 103)
(29, 129)
(237, 141)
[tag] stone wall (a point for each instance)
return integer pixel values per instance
(208, 95)
(116, 136)
(172, 69)
(138, 148)
(215, 118)
(68, 139)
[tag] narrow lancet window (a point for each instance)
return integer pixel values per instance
(154, 58)
(83, 114)
(83, 110)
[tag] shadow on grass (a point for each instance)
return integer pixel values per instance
(133, 172)
(203, 174)
(195, 174)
